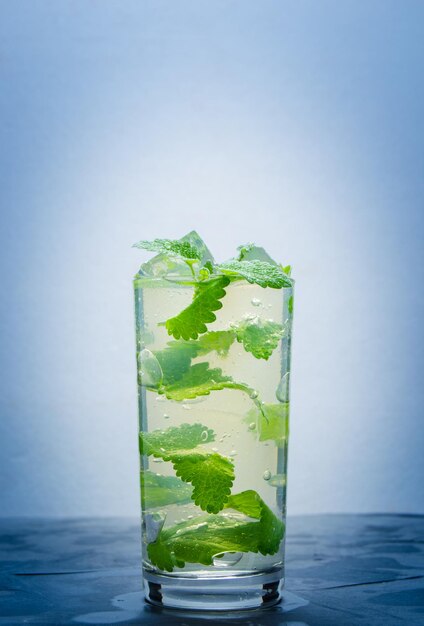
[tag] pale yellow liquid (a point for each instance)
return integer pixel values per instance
(260, 466)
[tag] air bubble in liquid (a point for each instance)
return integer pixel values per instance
(166, 416)
(256, 302)
(233, 453)
(186, 407)
(252, 426)
(266, 475)
(227, 559)
(254, 394)
(204, 436)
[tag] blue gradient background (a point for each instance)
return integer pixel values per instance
(296, 124)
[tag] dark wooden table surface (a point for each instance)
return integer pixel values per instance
(341, 570)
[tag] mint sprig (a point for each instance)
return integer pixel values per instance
(271, 423)
(162, 443)
(175, 361)
(211, 474)
(201, 539)
(169, 372)
(191, 322)
(262, 273)
(182, 249)
(219, 341)
(201, 380)
(158, 490)
(260, 337)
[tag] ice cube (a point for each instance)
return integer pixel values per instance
(195, 239)
(154, 523)
(256, 253)
(163, 265)
(149, 369)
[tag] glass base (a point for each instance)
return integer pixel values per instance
(236, 592)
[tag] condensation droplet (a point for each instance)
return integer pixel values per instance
(256, 302)
(282, 393)
(266, 475)
(252, 426)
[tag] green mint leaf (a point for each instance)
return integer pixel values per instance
(201, 539)
(218, 341)
(182, 249)
(247, 502)
(260, 337)
(260, 272)
(200, 380)
(270, 528)
(272, 531)
(191, 322)
(287, 269)
(271, 423)
(290, 305)
(161, 556)
(198, 541)
(211, 475)
(157, 490)
(175, 360)
(162, 443)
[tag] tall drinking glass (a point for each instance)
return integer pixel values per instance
(213, 433)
